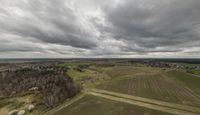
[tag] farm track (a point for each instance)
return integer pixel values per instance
(145, 102)
(64, 105)
(172, 108)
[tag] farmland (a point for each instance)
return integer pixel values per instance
(90, 105)
(154, 85)
(117, 87)
(190, 81)
(166, 84)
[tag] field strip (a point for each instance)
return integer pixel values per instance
(143, 104)
(149, 101)
(64, 105)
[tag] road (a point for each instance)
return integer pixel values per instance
(172, 108)
(147, 103)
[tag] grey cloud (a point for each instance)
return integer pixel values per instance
(156, 23)
(104, 28)
(48, 21)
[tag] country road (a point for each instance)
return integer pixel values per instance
(147, 103)
(172, 108)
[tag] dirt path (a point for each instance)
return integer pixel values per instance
(145, 102)
(64, 105)
(172, 108)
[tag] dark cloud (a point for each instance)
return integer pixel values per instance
(157, 23)
(100, 28)
(48, 21)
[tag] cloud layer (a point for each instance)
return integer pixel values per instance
(100, 28)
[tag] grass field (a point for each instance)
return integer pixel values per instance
(151, 83)
(191, 82)
(197, 72)
(88, 77)
(91, 105)
(168, 84)
(176, 86)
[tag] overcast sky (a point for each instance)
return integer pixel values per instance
(99, 28)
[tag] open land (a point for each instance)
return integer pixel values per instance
(121, 86)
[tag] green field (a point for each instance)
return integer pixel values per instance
(169, 85)
(91, 105)
(153, 83)
(172, 85)
(188, 80)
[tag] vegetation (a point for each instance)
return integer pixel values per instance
(190, 81)
(91, 105)
(151, 85)
(49, 83)
(165, 81)
(144, 81)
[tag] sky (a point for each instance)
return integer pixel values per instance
(100, 29)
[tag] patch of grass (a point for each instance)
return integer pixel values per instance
(91, 105)
(16, 104)
(21, 101)
(192, 82)
(196, 72)
(88, 77)
(122, 71)
(185, 78)
(151, 84)
(4, 102)
(76, 74)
